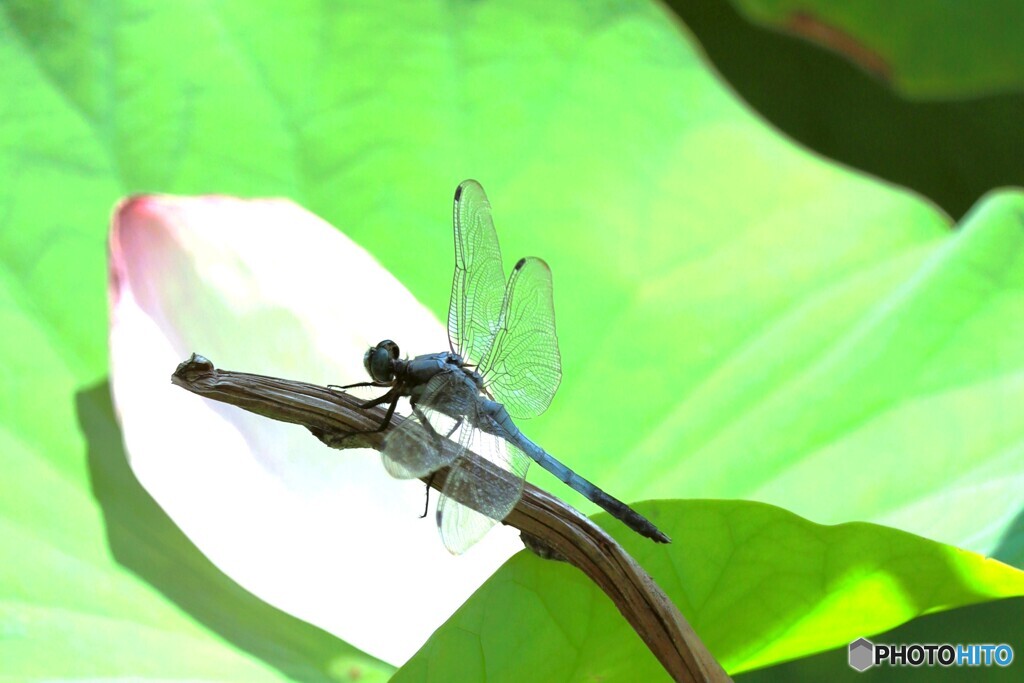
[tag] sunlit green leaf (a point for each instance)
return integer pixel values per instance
(758, 584)
(990, 622)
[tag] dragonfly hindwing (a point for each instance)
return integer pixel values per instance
(480, 492)
(522, 367)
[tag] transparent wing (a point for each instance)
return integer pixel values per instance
(478, 288)
(522, 368)
(477, 496)
(418, 446)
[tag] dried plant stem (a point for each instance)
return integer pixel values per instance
(549, 526)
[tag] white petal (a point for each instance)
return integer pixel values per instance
(264, 286)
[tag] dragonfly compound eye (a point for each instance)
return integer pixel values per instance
(379, 361)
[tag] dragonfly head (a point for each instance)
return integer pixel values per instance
(379, 361)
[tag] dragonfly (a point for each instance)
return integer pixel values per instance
(503, 363)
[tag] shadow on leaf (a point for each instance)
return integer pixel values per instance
(1011, 546)
(144, 540)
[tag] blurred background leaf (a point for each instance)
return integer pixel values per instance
(951, 149)
(932, 48)
(678, 227)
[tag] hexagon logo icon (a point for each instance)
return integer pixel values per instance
(862, 654)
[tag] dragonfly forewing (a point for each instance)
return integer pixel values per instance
(478, 288)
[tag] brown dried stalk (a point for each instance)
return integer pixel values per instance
(548, 526)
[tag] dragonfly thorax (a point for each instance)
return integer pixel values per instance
(379, 361)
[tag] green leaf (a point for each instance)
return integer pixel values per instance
(883, 394)
(925, 49)
(991, 622)
(729, 306)
(660, 285)
(758, 584)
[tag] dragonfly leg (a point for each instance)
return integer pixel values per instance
(374, 402)
(343, 387)
(391, 411)
(438, 441)
(426, 503)
(458, 423)
(335, 440)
